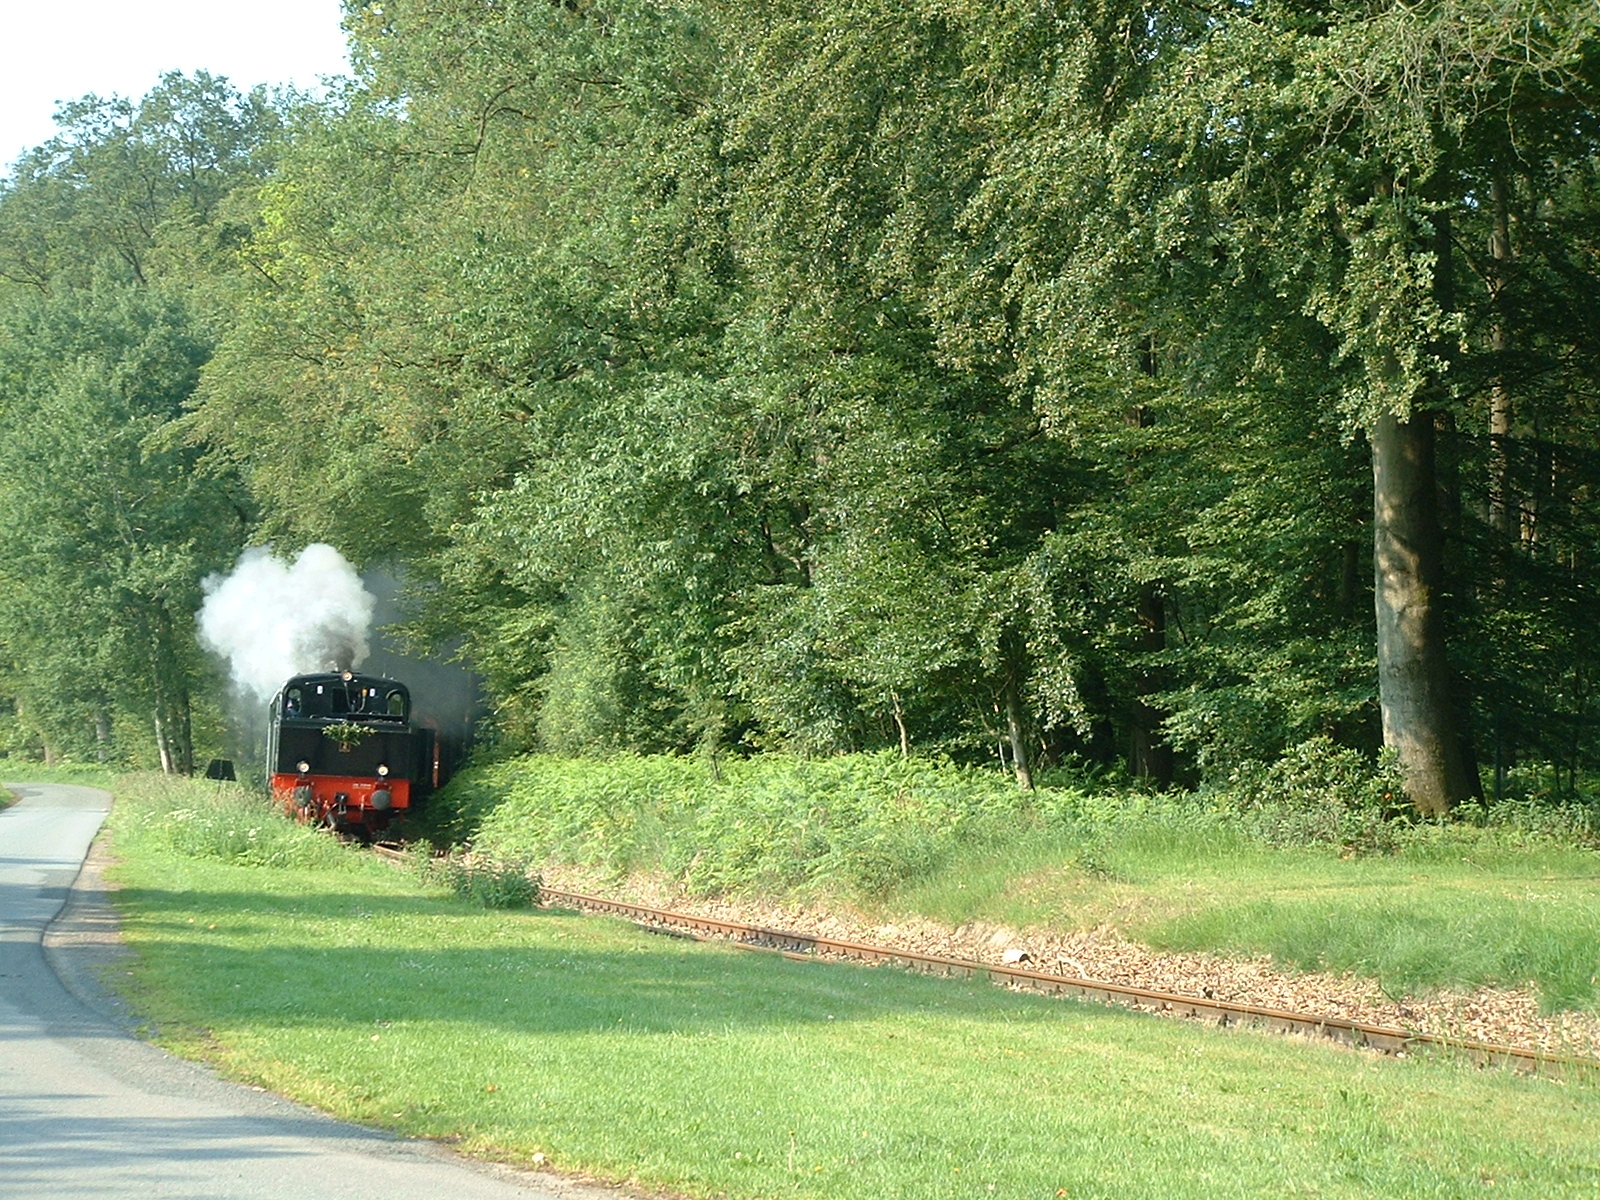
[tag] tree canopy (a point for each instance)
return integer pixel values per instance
(1163, 386)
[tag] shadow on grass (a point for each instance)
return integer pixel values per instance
(359, 960)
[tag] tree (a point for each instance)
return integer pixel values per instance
(106, 525)
(478, 336)
(1210, 180)
(1179, 382)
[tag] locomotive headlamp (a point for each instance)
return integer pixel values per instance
(382, 797)
(302, 766)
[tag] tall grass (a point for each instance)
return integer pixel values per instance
(1310, 861)
(224, 821)
(89, 774)
(849, 825)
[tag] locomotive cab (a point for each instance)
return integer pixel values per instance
(343, 752)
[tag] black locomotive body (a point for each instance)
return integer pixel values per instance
(343, 751)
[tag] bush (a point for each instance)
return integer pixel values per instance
(1319, 793)
(484, 880)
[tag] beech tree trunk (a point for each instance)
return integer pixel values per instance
(1017, 733)
(163, 746)
(1419, 715)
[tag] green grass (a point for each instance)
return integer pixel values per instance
(1455, 909)
(1414, 907)
(708, 1071)
(89, 774)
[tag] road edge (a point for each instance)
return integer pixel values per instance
(82, 945)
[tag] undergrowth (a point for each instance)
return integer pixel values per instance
(224, 821)
(485, 880)
(866, 824)
(860, 824)
(1314, 860)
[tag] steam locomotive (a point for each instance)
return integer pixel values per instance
(344, 752)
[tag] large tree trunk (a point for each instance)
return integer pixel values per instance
(1016, 720)
(1419, 716)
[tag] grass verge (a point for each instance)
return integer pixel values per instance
(707, 1071)
(1307, 875)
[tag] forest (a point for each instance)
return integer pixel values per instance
(1151, 387)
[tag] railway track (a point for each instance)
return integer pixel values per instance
(1380, 1038)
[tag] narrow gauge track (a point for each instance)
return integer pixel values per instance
(1383, 1039)
(804, 946)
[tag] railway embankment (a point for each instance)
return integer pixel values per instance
(1323, 898)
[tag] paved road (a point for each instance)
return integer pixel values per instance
(88, 1112)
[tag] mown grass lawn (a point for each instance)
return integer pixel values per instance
(708, 1071)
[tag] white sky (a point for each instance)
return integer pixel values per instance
(63, 49)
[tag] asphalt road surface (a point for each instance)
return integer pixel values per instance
(89, 1112)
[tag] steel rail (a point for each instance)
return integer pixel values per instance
(1382, 1038)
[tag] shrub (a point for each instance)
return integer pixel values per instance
(483, 879)
(1318, 793)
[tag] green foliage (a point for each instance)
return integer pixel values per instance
(482, 880)
(1561, 817)
(224, 822)
(943, 378)
(1318, 793)
(829, 378)
(864, 827)
(347, 733)
(856, 826)
(111, 238)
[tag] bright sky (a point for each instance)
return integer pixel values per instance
(63, 49)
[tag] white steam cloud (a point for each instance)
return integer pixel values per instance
(271, 619)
